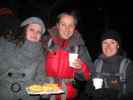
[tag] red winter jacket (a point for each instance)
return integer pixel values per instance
(57, 64)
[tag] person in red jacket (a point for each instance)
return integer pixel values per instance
(62, 40)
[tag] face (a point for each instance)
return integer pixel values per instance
(33, 32)
(66, 26)
(109, 47)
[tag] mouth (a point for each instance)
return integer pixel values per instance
(67, 34)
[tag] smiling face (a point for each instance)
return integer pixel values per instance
(110, 47)
(33, 32)
(66, 26)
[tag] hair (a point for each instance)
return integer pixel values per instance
(17, 36)
(71, 13)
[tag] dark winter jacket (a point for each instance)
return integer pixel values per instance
(112, 66)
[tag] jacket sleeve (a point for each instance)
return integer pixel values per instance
(83, 74)
(84, 52)
(40, 75)
(81, 77)
(129, 75)
(85, 57)
(86, 72)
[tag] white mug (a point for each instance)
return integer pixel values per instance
(98, 82)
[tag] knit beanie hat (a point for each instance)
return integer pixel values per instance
(34, 20)
(111, 35)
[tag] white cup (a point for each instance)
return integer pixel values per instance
(72, 58)
(98, 82)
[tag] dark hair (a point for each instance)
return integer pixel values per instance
(70, 13)
(16, 36)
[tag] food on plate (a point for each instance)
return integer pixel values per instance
(35, 88)
(47, 87)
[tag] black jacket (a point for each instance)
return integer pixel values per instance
(112, 66)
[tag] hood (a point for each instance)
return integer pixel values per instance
(76, 38)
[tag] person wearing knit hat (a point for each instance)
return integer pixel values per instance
(34, 20)
(34, 28)
(111, 34)
(21, 59)
(111, 42)
(114, 68)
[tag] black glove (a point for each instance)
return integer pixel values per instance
(86, 93)
(79, 81)
(78, 84)
(89, 88)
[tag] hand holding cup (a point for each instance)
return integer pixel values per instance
(74, 62)
(98, 82)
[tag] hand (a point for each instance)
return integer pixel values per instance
(77, 63)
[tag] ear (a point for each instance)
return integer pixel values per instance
(118, 46)
(57, 25)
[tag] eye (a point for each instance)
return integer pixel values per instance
(71, 26)
(62, 24)
(31, 29)
(104, 43)
(38, 32)
(113, 42)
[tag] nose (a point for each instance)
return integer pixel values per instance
(34, 33)
(108, 45)
(67, 28)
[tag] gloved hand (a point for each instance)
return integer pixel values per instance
(79, 81)
(78, 84)
(89, 88)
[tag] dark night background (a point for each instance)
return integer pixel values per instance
(95, 16)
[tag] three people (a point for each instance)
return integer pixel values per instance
(64, 39)
(21, 61)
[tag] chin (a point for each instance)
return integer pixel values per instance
(33, 40)
(65, 38)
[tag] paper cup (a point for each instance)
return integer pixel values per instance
(72, 58)
(98, 82)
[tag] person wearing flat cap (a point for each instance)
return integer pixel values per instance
(114, 68)
(21, 61)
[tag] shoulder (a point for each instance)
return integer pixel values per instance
(129, 66)
(128, 60)
(53, 31)
(98, 60)
(130, 63)
(78, 37)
